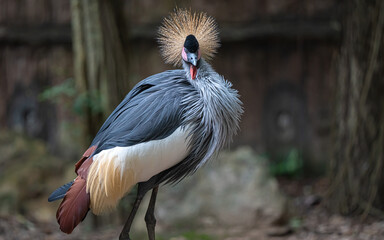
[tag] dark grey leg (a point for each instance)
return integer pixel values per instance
(150, 215)
(124, 235)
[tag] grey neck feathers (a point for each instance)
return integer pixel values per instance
(213, 111)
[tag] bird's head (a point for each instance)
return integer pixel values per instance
(191, 54)
(195, 35)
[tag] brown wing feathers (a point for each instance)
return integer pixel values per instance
(79, 164)
(75, 204)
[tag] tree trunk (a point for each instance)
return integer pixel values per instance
(100, 59)
(100, 63)
(356, 170)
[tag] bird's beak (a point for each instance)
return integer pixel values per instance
(194, 62)
(192, 59)
(193, 71)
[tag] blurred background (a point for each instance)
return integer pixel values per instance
(307, 163)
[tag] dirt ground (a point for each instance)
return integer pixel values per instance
(317, 226)
(311, 221)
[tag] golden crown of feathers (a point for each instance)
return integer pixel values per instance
(178, 26)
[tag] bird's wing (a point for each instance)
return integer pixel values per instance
(151, 111)
(140, 139)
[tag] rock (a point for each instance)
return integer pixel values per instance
(279, 231)
(236, 189)
(312, 200)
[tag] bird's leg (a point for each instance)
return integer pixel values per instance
(150, 219)
(124, 235)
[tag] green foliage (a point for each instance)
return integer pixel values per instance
(291, 164)
(190, 235)
(56, 93)
(88, 100)
(196, 236)
(67, 95)
(295, 223)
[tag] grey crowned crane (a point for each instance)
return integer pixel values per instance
(169, 125)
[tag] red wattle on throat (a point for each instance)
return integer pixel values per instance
(193, 71)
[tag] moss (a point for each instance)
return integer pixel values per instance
(189, 235)
(27, 171)
(196, 236)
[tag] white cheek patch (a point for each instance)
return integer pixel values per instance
(184, 55)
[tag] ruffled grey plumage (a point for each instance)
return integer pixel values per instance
(213, 110)
(161, 103)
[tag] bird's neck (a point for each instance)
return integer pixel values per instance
(215, 108)
(203, 71)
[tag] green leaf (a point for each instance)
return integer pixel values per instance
(65, 89)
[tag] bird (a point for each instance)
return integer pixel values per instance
(167, 127)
